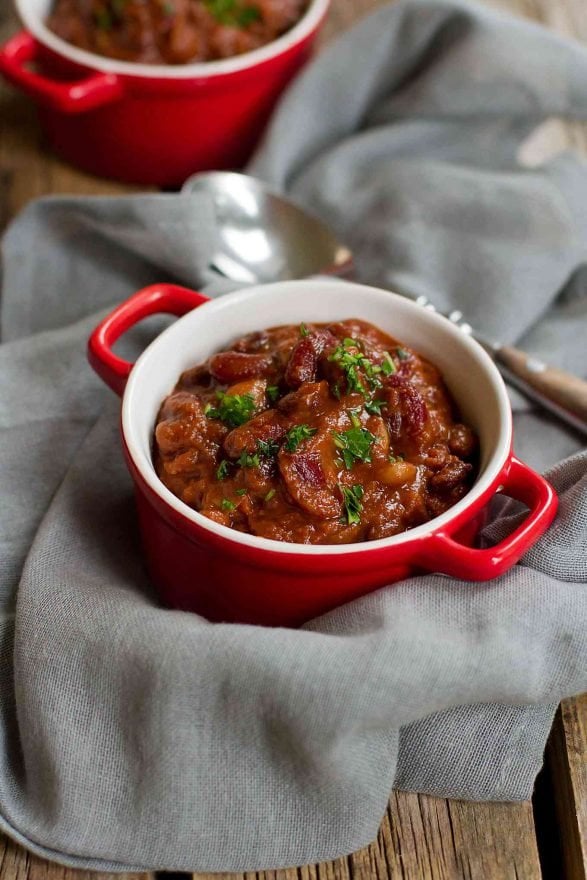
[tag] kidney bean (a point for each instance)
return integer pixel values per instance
(254, 342)
(462, 441)
(234, 366)
(199, 375)
(406, 408)
(303, 362)
(453, 473)
(181, 422)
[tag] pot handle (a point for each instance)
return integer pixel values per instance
(446, 555)
(158, 298)
(69, 97)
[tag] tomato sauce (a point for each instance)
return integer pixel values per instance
(315, 434)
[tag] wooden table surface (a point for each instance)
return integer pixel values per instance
(421, 837)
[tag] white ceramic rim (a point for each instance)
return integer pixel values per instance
(454, 337)
(202, 70)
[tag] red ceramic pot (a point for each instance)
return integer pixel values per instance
(152, 124)
(199, 565)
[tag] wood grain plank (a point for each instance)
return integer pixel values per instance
(566, 762)
(427, 838)
(18, 864)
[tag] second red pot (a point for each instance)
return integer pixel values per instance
(152, 124)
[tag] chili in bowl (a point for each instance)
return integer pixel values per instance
(315, 433)
(215, 564)
(172, 31)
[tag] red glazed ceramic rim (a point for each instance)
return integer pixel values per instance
(33, 12)
(470, 373)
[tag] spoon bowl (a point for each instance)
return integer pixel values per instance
(261, 237)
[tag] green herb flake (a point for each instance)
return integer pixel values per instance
(222, 470)
(336, 391)
(354, 445)
(231, 14)
(233, 409)
(387, 367)
(297, 435)
(350, 361)
(269, 448)
(222, 10)
(248, 15)
(354, 417)
(227, 504)
(240, 492)
(393, 458)
(351, 498)
(402, 354)
(272, 393)
(103, 20)
(246, 460)
(270, 494)
(373, 406)
(304, 330)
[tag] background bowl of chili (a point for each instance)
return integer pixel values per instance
(152, 123)
(202, 566)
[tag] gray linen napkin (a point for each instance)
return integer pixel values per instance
(136, 736)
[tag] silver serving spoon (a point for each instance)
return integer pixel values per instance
(263, 237)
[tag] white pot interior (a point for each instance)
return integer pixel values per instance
(33, 14)
(468, 371)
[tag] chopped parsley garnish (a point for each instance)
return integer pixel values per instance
(373, 406)
(297, 435)
(240, 492)
(269, 448)
(222, 470)
(272, 393)
(351, 361)
(270, 494)
(103, 20)
(232, 14)
(246, 460)
(351, 497)
(248, 15)
(336, 390)
(353, 415)
(232, 409)
(227, 504)
(387, 365)
(354, 445)
(393, 458)
(402, 354)
(304, 330)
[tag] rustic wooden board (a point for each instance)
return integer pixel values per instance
(17, 864)
(567, 766)
(426, 838)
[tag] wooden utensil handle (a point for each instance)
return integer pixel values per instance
(557, 386)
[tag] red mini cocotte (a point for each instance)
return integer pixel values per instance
(225, 575)
(152, 123)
